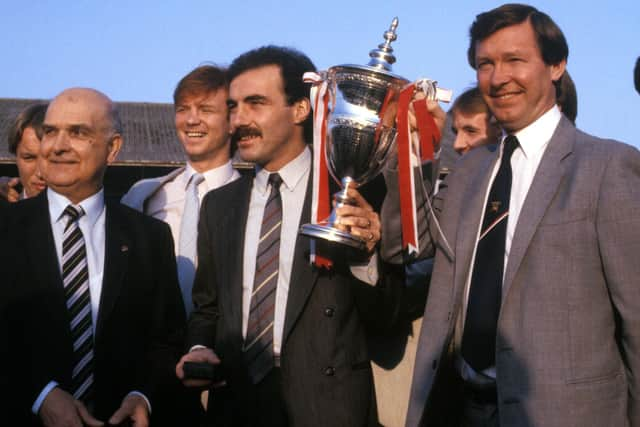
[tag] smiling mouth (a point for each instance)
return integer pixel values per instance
(196, 134)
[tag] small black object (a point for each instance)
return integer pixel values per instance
(199, 370)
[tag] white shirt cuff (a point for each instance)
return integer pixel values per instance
(367, 273)
(35, 408)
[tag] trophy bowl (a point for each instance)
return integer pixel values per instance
(361, 130)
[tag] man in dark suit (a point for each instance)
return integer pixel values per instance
(94, 312)
(533, 308)
(303, 360)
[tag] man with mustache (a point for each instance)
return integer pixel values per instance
(287, 338)
(533, 307)
(201, 118)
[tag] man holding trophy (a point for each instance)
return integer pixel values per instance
(281, 320)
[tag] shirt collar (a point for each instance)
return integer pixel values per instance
(214, 178)
(291, 174)
(92, 206)
(537, 135)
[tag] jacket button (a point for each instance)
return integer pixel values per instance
(329, 311)
(329, 371)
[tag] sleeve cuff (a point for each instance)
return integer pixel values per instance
(367, 273)
(35, 408)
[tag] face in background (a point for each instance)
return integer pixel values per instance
(27, 153)
(202, 126)
(472, 130)
(268, 131)
(514, 81)
(79, 141)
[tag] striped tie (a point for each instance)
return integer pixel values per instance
(258, 347)
(75, 276)
(485, 292)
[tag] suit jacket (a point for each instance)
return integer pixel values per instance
(143, 190)
(140, 325)
(326, 374)
(568, 338)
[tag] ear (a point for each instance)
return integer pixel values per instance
(558, 69)
(301, 110)
(114, 148)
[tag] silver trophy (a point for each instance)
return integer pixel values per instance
(360, 128)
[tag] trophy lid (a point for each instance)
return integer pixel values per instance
(383, 57)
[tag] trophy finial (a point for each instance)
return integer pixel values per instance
(382, 57)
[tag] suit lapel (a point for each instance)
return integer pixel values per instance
(472, 208)
(229, 242)
(117, 247)
(39, 238)
(303, 275)
(545, 183)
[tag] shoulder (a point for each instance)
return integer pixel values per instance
(229, 193)
(143, 189)
(605, 153)
(136, 221)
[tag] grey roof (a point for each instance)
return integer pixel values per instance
(149, 132)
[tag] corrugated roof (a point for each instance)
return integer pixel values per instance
(149, 132)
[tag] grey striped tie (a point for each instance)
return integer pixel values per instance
(258, 347)
(75, 276)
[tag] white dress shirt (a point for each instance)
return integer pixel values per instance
(533, 141)
(92, 225)
(167, 204)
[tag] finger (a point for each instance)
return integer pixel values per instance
(358, 200)
(121, 414)
(140, 417)
(86, 417)
(13, 182)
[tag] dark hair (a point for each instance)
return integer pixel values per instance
(551, 41)
(293, 64)
(203, 79)
(471, 102)
(636, 75)
(567, 97)
(32, 116)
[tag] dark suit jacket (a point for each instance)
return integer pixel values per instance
(141, 318)
(326, 374)
(568, 338)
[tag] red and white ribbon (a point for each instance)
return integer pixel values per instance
(320, 205)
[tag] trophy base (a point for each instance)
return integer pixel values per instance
(334, 235)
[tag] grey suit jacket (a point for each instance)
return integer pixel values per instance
(143, 190)
(568, 340)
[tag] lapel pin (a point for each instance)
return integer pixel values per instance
(495, 206)
(124, 248)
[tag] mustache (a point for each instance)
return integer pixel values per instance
(244, 131)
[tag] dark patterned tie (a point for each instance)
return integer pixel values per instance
(258, 345)
(75, 276)
(485, 293)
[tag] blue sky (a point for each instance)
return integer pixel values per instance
(138, 50)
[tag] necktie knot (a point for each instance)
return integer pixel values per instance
(510, 145)
(195, 180)
(275, 180)
(73, 213)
